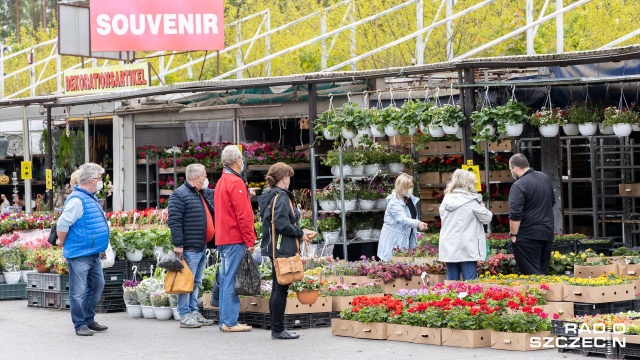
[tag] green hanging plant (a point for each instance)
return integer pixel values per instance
(64, 151)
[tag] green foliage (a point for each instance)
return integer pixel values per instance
(520, 322)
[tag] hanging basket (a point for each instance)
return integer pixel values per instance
(348, 134)
(436, 131)
(588, 129)
(549, 130)
(391, 131)
(307, 297)
(375, 132)
(451, 130)
(571, 129)
(327, 135)
(514, 129)
(622, 130)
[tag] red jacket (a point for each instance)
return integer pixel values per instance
(234, 214)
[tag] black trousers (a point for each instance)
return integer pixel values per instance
(277, 302)
(532, 256)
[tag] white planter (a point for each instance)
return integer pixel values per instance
(11, 277)
(159, 251)
(390, 131)
(348, 134)
(2, 279)
(163, 313)
(176, 314)
(328, 205)
(424, 128)
(451, 130)
(346, 170)
(365, 131)
(25, 273)
(375, 132)
(381, 204)
(363, 234)
(513, 129)
(367, 204)
(491, 128)
(459, 134)
(371, 169)
(134, 256)
(134, 311)
(635, 127)
(375, 233)
(436, 131)
(395, 168)
(327, 135)
(357, 170)
(147, 312)
(349, 205)
(331, 237)
(571, 129)
(413, 131)
(588, 129)
(606, 130)
(622, 129)
(549, 130)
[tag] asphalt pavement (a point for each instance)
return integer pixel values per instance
(36, 333)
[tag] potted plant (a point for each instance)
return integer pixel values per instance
(356, 158)
(327, 198)
(367, 197)
(131, 298)
(325, 125)
(410, 116)
(621, 120)
(433, 122)
(329, 225)
(350, 196)
(548, 121)
(135, 243)
(483, 125)
(343, 294)
(37, 259)
(510, 117)
(585, 116)
(376, 117)
(346, 120)
(391, 119)
(12, 259)
(306, 289)
(144, 291)
(513, 330)
(450, 117)
(161, 305)
(333, 160)
(375, 158)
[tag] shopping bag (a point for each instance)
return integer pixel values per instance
(215, 292)
(247, 278)
(179, 281)
(170, 261)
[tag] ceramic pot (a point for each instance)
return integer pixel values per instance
(588, 129)
(549, 130)
(514, 130)
(307, 297)
(134, 311)
(571, 129)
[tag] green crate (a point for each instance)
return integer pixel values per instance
(13, 291)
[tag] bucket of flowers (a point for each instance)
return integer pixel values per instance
(307, 289)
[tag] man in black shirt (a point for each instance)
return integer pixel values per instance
(531, 201)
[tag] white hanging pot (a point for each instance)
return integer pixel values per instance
(134, 256)
(134, 311)
(367, 204)
(163, 313)
(635, 127)
(459, 134)
(371, 169)
(571, 129)
(606, 130)
(349, 205)
(327, 135)
(375, 132)
(622, 129)
(424, 128)
(513, 129)
(328, 205)
(365, 131)
(396, 168)
(413, 131)
(391, 131)
(331, 237)
(436, 131)
(159, 251)
(357, 170)
(451, 130)
(549, 130)
(348, 134)
(346, 170)
(492, 130)
(588, 129)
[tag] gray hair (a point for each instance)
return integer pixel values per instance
(230, 155)
(194, 170)
(89, 171)
(462, 179)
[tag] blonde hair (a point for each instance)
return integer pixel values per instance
(462, 179)
(74, 179)
(404, 182)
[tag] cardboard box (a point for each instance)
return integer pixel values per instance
(629, 189)
(466, 338)
(333, 279)
(564, 309)
(341, 327)
(402, 259)
(206, 301)
(322, 305)
(339, 303)
(401, 140)
(629, 339)
(598, 294)
(256, 304)
(432, 209)
(424, 260)
(449, 147)
(446, 177)
(515, 341)
(555, 292)
(428, 336)
(499, 206)
(505, 145)
(373, 331)
(581, 271)
(628, 269)
(436, 279)
(404, 333)
(430, 148)
(356, 280)
(429, 178)
(431, 193)
(393, 286)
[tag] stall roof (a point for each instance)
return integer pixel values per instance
(521, 61)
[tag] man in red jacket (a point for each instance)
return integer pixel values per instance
(234, 233)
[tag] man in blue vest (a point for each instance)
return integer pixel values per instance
(83, 233)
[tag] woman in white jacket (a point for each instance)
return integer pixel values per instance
(462, 238)
(400, 219)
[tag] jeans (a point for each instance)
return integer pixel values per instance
(469, 270)
(189, 302)
(277, 303)
(86, 282)
(229, 302)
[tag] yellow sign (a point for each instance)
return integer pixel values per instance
(26, 170)
(107, 78)
(240, 148)
(476, 170)
(49, 179)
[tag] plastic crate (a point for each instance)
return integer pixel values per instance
(112, 291)
(144, 268)
(581, 309)
(319, 320)
(34, 281)
(636, 304)
(254, 319)
(114, 278)
(118, 266)
(608, 350)
(13, 291)
(335, 314)
(558, 328)
(563, 341)
(629, 351)
(621, 306)
(35, 298)
(51, 300)
(64, 301)
(55, 282)
(211, 314)
(291, 321)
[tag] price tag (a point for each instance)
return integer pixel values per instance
(26, 170)
(476, 170)
(49, 179)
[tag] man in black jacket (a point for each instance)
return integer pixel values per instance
(531, 201)
(192, 227)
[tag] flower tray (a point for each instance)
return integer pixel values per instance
(594, 271)
(581, 309)
(466, 338)
(392, 287)
(629, 339)
(404, 333)
(598, 294)
(339, 303)
(320, 320)
(427, 336)
(516, 341)
(629, 351)
(13, 291)
(564, 309)
(291, 321)
(555, 292)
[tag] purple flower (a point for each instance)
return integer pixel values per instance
(260, 158)
(198, 148)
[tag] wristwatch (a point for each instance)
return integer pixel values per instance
(512, 235)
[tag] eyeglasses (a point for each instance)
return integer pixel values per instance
(98, 178)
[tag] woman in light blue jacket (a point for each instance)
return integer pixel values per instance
(400, 219)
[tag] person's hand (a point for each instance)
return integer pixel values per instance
(251, 249)
(513, 239)
(423, 226)
(252, 192)
(305, 239)
(178, 250)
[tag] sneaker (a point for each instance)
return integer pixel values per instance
(85, 331)
(201, 319)
(236, 328)
(188, 321)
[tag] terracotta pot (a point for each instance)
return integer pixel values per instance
(42, 268)
(307, 297)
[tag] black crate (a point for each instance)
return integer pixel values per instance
(636, 304)
(211, 314)
(119, 266)
(111, 300)
(558, 328)
(113, 291)
(254, 319)
(319, 320)
(114, 278)
(581, 309)
(621, 306)
(564, 341)
(143, 267)
(51, 300)
(608, 350)
(629, 351)
(335, 314)
(13, 291)
(604, 246)
(35, 298)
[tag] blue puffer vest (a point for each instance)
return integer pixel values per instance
(89, 235)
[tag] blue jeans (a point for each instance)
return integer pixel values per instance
(229, 302)
(86, 282)
(469, 270)
(189, 302)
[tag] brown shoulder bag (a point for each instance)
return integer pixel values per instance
(288, 269)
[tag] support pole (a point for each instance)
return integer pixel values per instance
(26, 157)
(267, 43)
(420, 39)
(530, 31)
(1, 70)
(313, 114)
(559, 28)
(323, 42)
(86, 139)
(449, 30)
(49, 154)
(468, 107)
(352, 19)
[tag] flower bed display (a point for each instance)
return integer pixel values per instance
(11, 222)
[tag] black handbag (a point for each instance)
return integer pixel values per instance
(53, 237)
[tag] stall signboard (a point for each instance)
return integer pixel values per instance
(156, 25)
(475, 169)
(107, 78)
